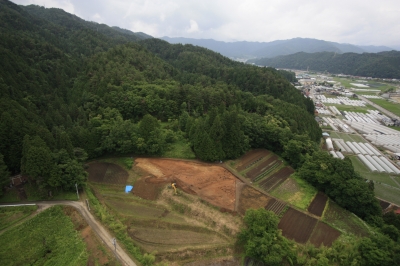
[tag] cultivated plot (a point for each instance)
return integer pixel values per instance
(297, 225)
(264, 166)
(323, 234)
(251, 198)
(344, 220)
(251, 158)
(317, 206)
(103, 172)
(273, 181)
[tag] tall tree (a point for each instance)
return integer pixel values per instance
(4, 174)
(263, 241)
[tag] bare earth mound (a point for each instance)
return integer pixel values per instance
(210, 182)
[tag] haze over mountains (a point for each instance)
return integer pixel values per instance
(247, 50)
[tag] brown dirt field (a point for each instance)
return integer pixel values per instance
(297, 225)
(250, 157)
(317, 206)
(251, 198)
(147, 190)
(102, 172)
(262, 167)
(276, 179)
(324, 234)
(210, 182)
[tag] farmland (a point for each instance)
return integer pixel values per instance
(361, 109)
(344, 221)
(317, 206)
(304, 225)
(194, 224)
(276, 179)
(57, 236)
(51, 239)
(347, 137)
(295, 191)
(200, 221)
(390, 106)
(12, 215)
(323, 235)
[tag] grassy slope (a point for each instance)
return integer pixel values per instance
(11, 215)
(47, 238)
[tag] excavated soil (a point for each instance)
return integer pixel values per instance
(210, 182)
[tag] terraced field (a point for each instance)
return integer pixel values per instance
(273, 181)
(275, 206)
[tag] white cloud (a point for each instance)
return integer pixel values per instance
(347, 21)
(194, 27)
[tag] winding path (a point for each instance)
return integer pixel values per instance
(103, 234)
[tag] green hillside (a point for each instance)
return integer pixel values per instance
(72, 90)
(379, 65)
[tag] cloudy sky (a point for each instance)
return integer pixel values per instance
(345, 21)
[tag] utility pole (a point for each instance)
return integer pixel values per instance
(87, 202)
(114, 241)
(76, 185)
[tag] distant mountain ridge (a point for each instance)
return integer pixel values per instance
(377, 65)
(272, 49)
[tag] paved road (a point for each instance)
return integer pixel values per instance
(383, 110)
(104, 235)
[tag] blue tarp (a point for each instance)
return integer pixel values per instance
(128, 189)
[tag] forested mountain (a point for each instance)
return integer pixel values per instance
(70, 91)
(69, 88)
(379, 65)
(275, 48)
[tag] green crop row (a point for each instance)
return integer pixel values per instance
(11, 215)
(268, 171)
(47, 239)
(119, 229)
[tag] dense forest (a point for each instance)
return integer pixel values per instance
(377, 65)
(72, 90)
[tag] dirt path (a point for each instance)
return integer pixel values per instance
(103, 234)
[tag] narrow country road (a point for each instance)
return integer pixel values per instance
(104, 235)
